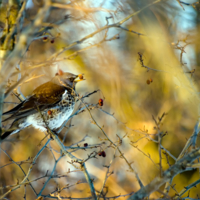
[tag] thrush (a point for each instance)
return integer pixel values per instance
(50, 104)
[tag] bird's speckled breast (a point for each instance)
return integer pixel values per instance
(55, 116)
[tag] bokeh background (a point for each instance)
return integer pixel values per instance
(114, 68)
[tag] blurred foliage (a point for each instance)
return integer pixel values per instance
(114, 68)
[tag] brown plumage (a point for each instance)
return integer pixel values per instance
(59, 91)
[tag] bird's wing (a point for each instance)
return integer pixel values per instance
(49, 93)
(44, 96)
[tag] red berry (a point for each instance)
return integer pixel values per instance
(52, 41)
(45, 39)
(148, 81)
(85, 144)
(49, 112)
(101, 102)
(80, 76)
(103, 153)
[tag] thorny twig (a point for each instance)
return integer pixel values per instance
(121, 154)
(28, 173)
(106, 175)
(56, 162)
(160, 135)
(187, 4)
(19, 165)
(179, 167)
(64, 151)
(117, 25)
(191, 141)
(147, 155)
(148, 68)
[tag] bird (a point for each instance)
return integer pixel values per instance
(50, 104)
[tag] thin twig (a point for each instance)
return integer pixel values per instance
(118, 24)
(191, 140)
(179, 167)
(121, 154)
(188, 187)
(106, 175)
(15, 85)
(28, 173)
(147, 155)
(65, 152)
(55, 164)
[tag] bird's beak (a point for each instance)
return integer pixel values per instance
(80, 78)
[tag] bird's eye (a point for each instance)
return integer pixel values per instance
(71, 79)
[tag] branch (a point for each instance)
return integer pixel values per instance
(191, 141)
(177, 168)
(18, 52)
(117, 25)
(28, 173)
(74, 159)
(56, 162)
(121, 154)
(187, 188)
(106, 175)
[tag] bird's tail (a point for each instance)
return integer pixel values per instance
(14, 128)
(15, 109)
(6, 134)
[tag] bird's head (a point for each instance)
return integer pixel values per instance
(68, 79)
